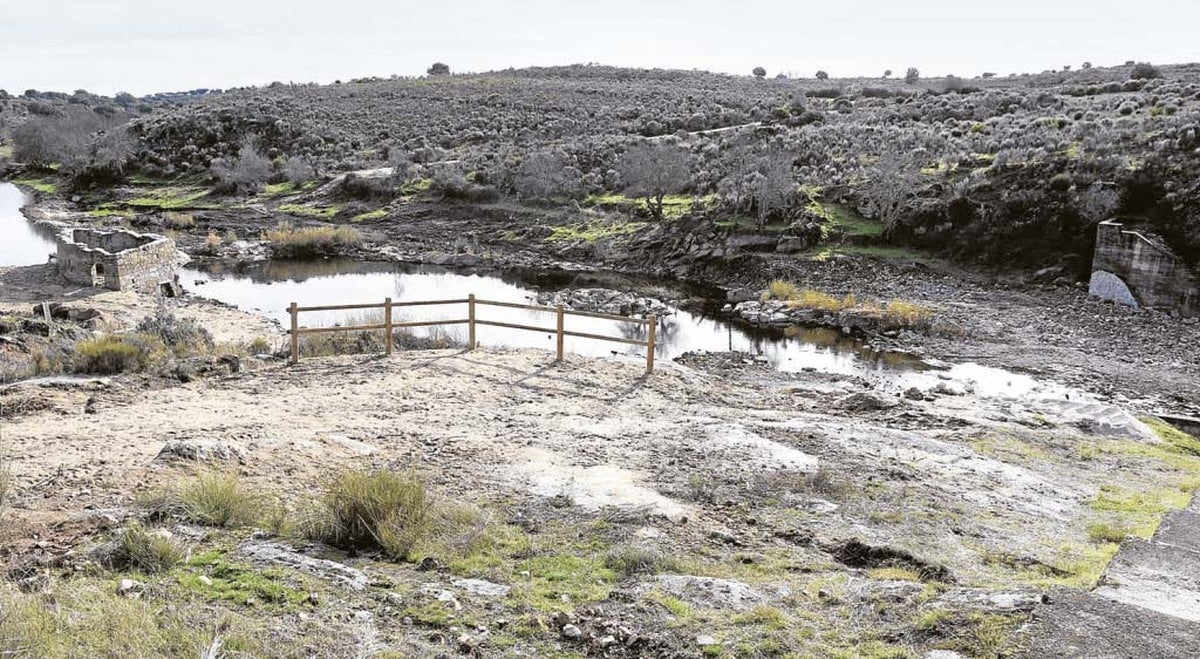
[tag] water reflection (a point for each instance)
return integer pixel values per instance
(21, 242)
(269, 288)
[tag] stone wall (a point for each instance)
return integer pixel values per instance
(118, 260)
(1133, 268)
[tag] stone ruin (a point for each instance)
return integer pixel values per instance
(1136, 268)
(118, 260)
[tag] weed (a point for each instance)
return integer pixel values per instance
(373, 510)
(289, 242)
(894, 574)
(1107, 532)
(219, 499)
(144, 551)
(179, 220)
(762, 616)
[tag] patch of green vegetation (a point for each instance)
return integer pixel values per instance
(1140, 510)
(378, 214)
(767, 617)
(983, 635)
(843, 220)
(1102, 532)
(1073, 565)
(111, 212)
(677, 607)
(6, 151)
(674, 206)
(1007, 447)
(301, 210)
(213, 577)
(171, 198)
(889, 252)
(430, 614)
(564, 581)
(592, 231)
(38, 184)
(1179, 441)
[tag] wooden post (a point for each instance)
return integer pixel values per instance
(652, 323)
(295, 333)
(471, 321)
(387, 326)
(560, 332)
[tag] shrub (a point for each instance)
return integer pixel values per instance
(179, 220)
(287, 241)
(357, 187)
(111, 354)
(906, 314)
(219, 499)
(912, 75)
(438, 69)
(760, 72)
(247, 172)
(822, 75)
(1144, 71)
(182, 336)
(782, 290)
(148, 552)
(373, 510)
(297, 170)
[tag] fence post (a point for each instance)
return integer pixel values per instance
(652, 322)
(471, 321)
(387, 326)
(295, 333)
(560, 332)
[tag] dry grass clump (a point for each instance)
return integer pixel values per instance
(894, 314)
(220, 499)
(374, 510)
(144, 551)
(629, 560)
(176, 220)
(289, 241)
(111, 354)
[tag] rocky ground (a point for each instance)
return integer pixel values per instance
(715, 508)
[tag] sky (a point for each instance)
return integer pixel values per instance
(145, 46)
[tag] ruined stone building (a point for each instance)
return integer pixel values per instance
(118, 260)
(1138, 269)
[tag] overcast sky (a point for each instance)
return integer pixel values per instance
(144, 46)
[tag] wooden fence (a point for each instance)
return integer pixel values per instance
(388, 327)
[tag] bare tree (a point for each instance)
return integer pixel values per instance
(888, 185)
(652, 172)
(297, 170)
(545, 175)
(774, 187)
(246, 172)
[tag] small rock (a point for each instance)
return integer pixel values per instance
(571, 631)
(913, 393)
(607, 641)
(130, 588)
(705, 639)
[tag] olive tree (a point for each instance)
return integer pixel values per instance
(652, 172)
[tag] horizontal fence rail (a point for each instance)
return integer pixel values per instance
(388, 327)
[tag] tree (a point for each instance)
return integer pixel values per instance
(438, 69)
(1087, 65)
(821, 75)
(773, 188)
(760, 72)
(889, 183)
(887, 74)
(545, 175)
(912, 75)
(1144, 71)
(652, 172)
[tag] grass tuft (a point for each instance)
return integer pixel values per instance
(145, 551)
(373, 510)
(287, 241)
(220, 499)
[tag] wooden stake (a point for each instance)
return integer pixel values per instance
(295, 333)
(652, 323)
(471, 322)
(560, 332)
(387, 326)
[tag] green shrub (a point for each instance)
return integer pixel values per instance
(219, 499)
(373, 510)
(183, 336)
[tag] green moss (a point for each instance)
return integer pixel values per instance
(371, 215)
(564, 581)
(111, 212)
(430, 614)
(894, 574)
(171, 198)
(1009, 448)
(766, 617)
(311, 211)
(591, 232)
(843, 220)
(239, 584)
(1140, 510)
(877, 251)
(40, 185)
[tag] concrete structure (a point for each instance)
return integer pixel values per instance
(118, 260)
(1138, 269)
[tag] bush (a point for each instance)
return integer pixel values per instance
(219, 499)
(112, 354)
(1144, 71)
(912, 75)
(245, 173)
(137, 549)
(289, 242)
(439, 69)
(373, 510)
(357, 187)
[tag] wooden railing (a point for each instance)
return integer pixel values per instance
(388, 327)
